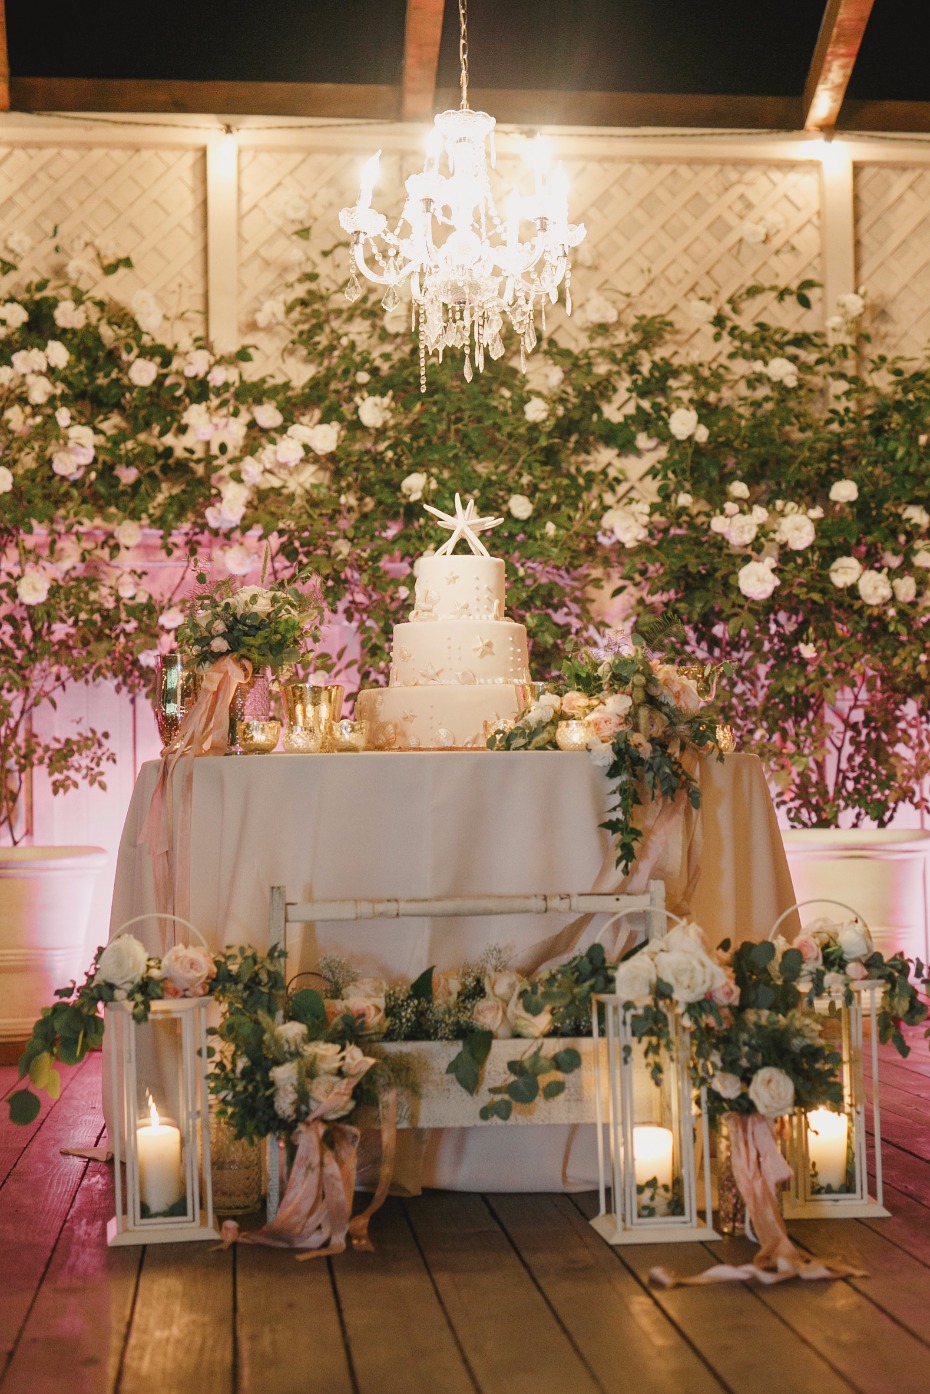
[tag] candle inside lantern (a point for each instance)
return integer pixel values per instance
(652, 1154)
(827, 1141)
(161, 1183)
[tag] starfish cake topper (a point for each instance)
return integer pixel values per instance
(464, 523)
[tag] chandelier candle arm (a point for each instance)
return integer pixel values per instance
(469, 272)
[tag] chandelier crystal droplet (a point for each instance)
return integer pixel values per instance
(471, 271)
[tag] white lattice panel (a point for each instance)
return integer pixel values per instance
(147, 203)
(893, 252)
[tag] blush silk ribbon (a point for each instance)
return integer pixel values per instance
(204, 730)
(315, 1214)
(671, 846)
(758, 1167)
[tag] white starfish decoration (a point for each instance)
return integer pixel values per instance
(483, 647)
(431, 674)
(463, 523)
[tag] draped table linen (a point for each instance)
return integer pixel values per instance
(407, 825)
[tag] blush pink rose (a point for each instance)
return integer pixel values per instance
(575, 704)
(187, 971)
(857, 970)
(605, 725)
(726, 995)
(809, 950)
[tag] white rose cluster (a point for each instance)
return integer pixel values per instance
(626, 524)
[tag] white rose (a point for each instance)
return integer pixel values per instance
(757, 579)
(905, 589)
(288, 451)
(13, 314)
(726, 1085)
(855, 941)
(851, 305)
(720, 523)
(738, 490)
(374, 412)
(27, 361)
(256, 598)
(844, 491)
(490, 1014)
(554, 379)
(520, 506)
(772, 1091)
(267, 416)
(123, 962)
(597, 309)
(292, 1035)
(635, 978)
(413, 485)
(684, 500)
(146, 311)
(38, 389)
(915, 513)
(690, 975)
(6, 480)
(874, 587)
(807, 651)
(536, 410)
(67, 315)
(782, 370)
(197, 364)
(188, 967)
(272, 312)
(845, 572)
(628, 524)
(56, 353)
(171, 618)
(683, 423)
(337, 1091)
(323, 437)
(922, 559)
(128, 534)
(701, 311)
(143, 372)
(796, 530)
(502, 984)
(754, 233)
(285, 1079)
(32, 587)
(742, 530)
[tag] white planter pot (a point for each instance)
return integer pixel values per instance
(45, 897)
(882, 873)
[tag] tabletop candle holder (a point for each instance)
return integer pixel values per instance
(348, 735)
(177, 686)
(572, 735)
(311, 710)
(161, 1134)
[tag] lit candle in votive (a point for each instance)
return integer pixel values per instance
(827, 1141)
(160, 1180)
(652, 1154)
(369, 176)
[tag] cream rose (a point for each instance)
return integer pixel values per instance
(446, 986)
(323, 1057)
(502, 984)
(523, 1022)
(844, 491)
(726, 1085)
(691, 976)
(291, 1034)
(683, 423)
(365, 999)
(285, 1079)
(772, 1091)
(742, 530)
(255, 598)
(605, 724)
(681, 691)
(490, 1014)
(796, 531)
(905, 589)
(520, 507)
(123, 962)
(189, 968)
(874, 587)
(335, 1093)
(757, 579)
(855, 940)
(635, 978)
(845, 572)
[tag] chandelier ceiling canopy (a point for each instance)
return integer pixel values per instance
(471, 270)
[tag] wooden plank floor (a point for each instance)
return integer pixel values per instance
(465, 1294)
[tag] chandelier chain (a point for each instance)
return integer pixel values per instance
(463, 53)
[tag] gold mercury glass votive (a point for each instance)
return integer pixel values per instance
(726, 741)
(177, 685)
(529, 693)
(348, 735)
(497, 728)
(258, 737)
(311, 709)
(572, 735)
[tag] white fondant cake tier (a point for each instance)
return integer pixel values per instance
(450, 652)
(459, 588)
(434, 718)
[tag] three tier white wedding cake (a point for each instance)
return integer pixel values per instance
(458, 661)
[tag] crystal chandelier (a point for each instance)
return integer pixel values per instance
(470, 270)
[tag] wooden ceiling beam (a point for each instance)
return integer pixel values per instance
(422, 37)
(345, 101)
(838, 42)
(4, 61)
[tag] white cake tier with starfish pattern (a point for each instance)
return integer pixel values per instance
(458, 662)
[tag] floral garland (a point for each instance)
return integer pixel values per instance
(644, 718)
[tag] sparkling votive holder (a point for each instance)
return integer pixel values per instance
(497, 730)
(311, 710)
(348, 735)
(177, 685)
(572, 735)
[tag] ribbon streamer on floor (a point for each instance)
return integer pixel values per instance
(203, 731)
(758, 1167)
(315, 1214)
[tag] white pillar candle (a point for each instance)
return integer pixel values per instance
(827, 1140)
(160, 1180)
(652, 1154)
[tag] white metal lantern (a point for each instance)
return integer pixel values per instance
(651, 1133)
(161, 1123)
(826, 1150)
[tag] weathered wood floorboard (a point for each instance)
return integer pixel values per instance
(505, 1294)
(14, 1139)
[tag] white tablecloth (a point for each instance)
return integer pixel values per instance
(416, 824)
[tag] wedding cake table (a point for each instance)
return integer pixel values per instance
(417, 824)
